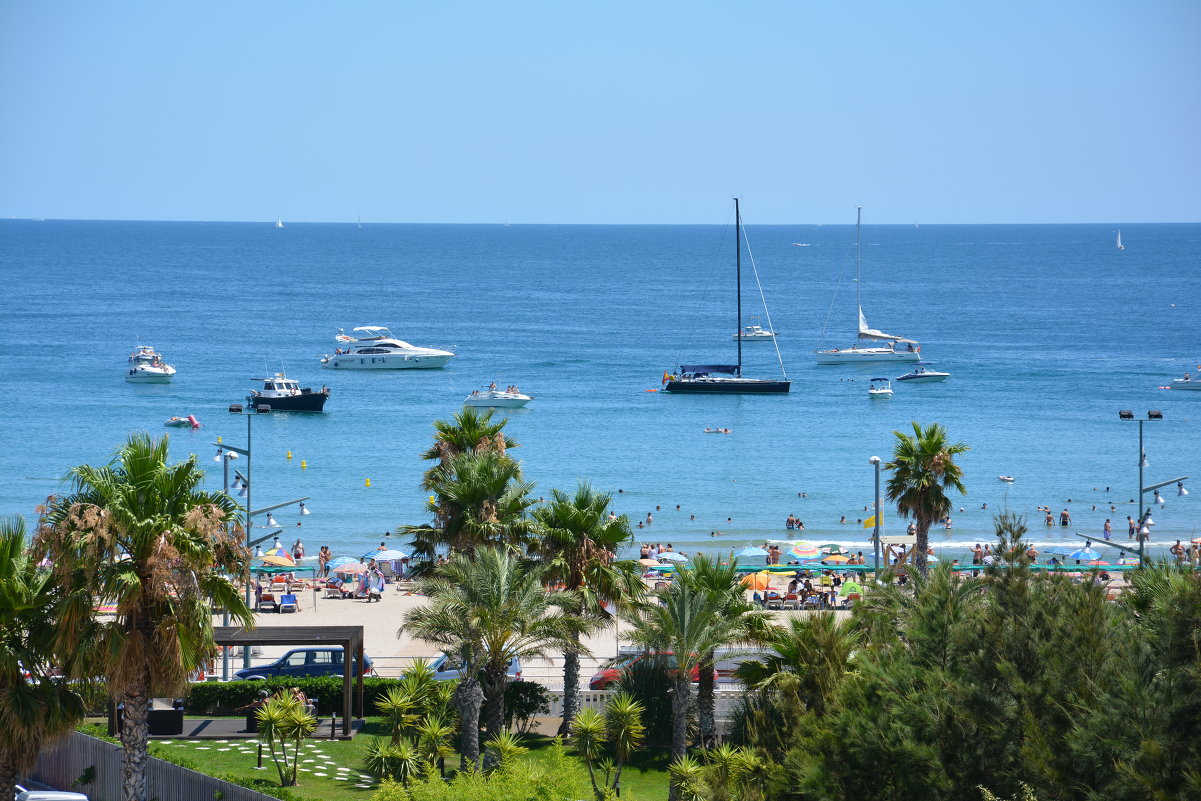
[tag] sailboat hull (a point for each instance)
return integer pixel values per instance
(730, 386)
(864, 355)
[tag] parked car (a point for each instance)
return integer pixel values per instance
(322, 661)
(48, 795)
(611, 675)
(445, 669)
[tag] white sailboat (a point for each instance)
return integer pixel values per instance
(1120, 245)
(279, 222)
(871, 345)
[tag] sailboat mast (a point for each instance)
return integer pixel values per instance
(738, 273)
(859, 262)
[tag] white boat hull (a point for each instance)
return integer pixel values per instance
(498, 400)
(866, 355)
(386, 362)
(149, 376)
(1180, 383)
(924, 378)
(880, 393)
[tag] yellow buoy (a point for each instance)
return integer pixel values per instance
(289, 455)
(218, 439)
(304, 465)
(368, 483)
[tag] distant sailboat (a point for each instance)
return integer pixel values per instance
(1120, 245)
(279, 222)
(360, 220)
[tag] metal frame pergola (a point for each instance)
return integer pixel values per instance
(349, 637)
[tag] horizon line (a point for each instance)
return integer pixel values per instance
(509, 223)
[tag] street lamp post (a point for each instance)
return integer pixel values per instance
(875, 462)
(1142, 530)
(225, 457)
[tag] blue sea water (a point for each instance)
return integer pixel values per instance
(1047, 330)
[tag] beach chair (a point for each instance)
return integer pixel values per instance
(333, 590)
(811, 602)
(278, 587)
(792, 601)
(774, 601)
(389, 573)
(267, 601)
(757, 599)
(287, 603)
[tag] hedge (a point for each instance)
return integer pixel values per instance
(222, 698)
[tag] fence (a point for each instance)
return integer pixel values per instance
(80, 754)
(725, 702)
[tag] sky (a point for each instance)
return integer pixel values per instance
(602, 112)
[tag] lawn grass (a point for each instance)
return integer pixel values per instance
(334, 768)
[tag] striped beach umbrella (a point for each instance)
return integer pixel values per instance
(835, 559)
(387, 555)
(750, 553)
(341, 560)
(805, 550)
(278, 561)
(351, 568)
(279, 553)
(672, 556)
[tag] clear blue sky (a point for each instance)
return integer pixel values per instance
(602, 112)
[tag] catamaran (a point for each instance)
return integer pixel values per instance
(872, 345)
(727, 378)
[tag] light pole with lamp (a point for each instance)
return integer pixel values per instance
(875, 462)
(1143, 529)
(225, 457)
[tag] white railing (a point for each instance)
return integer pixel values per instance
(727, 700)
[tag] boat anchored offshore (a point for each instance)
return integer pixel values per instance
(871, 345)
(374, 348)
(880, 388)
(282, 394)
(1188, 382)
(492, 398)
(921, 375)
(146, 366)
(753, 333)
(727, 378)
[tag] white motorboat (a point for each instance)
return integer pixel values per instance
(922, 375)
(1007, 479)
(374, 348)
(492, 398)
(1188, 382)
(871, 345)
(146, 366)
(754, 333)
(282, 394)
(880, 388)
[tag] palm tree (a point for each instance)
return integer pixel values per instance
(578, 540)
(470, 432)
(684, 621)
(35, 709)
(808, 654)
(479, 499)
(723, 583)
(141, 535)
(487, 611)
(923, 469)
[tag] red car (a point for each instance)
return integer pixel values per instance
(609, 676)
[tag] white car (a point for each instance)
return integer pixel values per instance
(48, 795)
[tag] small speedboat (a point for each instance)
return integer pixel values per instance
(1188, 382)
(880, 388)
(282, 394)
(1007, 479)
(492, 398)
(922, 375)
(146, 366)
(182, 422)
(754, 333)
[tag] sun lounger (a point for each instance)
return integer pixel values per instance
(267, 600)
(287, 603)
(386, 569)
(792, 601)
(774, 601)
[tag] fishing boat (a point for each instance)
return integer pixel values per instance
(880, 388)
(922, 375)
(727, 378)
(490, 397)
(282, 394)
(373, 347)
(1120, 245)
(871, 345)
(146, 366)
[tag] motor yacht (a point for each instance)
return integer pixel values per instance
(374, 348)
(146, 366)
(922, 375)
(492, 398)
(282, 394)
(880, 388)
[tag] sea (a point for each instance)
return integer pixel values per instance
(1047, 331)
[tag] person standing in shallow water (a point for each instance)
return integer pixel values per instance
(1108, 530)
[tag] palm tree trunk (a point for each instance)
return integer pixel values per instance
(706, 703)
(921, 545)
(571, 689)
(469, 698)
(680, 696)
(135, 733)
(494, 708)
(8, 779)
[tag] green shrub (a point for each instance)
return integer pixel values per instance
(525, 700)
(222, 698)
(647, 683)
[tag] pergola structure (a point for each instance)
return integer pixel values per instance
(349, 637)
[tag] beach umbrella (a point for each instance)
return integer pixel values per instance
(750, 553)
(805, 550)
(1196, 541)
(672, 556)
(1084, 554)
(341, 560)
(279, 561)
(649, 562)
(991, 559)
(387, 555)
(1128, 560)
(756, 581)
(833, 547)
(836, 559)
(351, 568)
(280, 552)
(931, 559)
(1099, 562)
